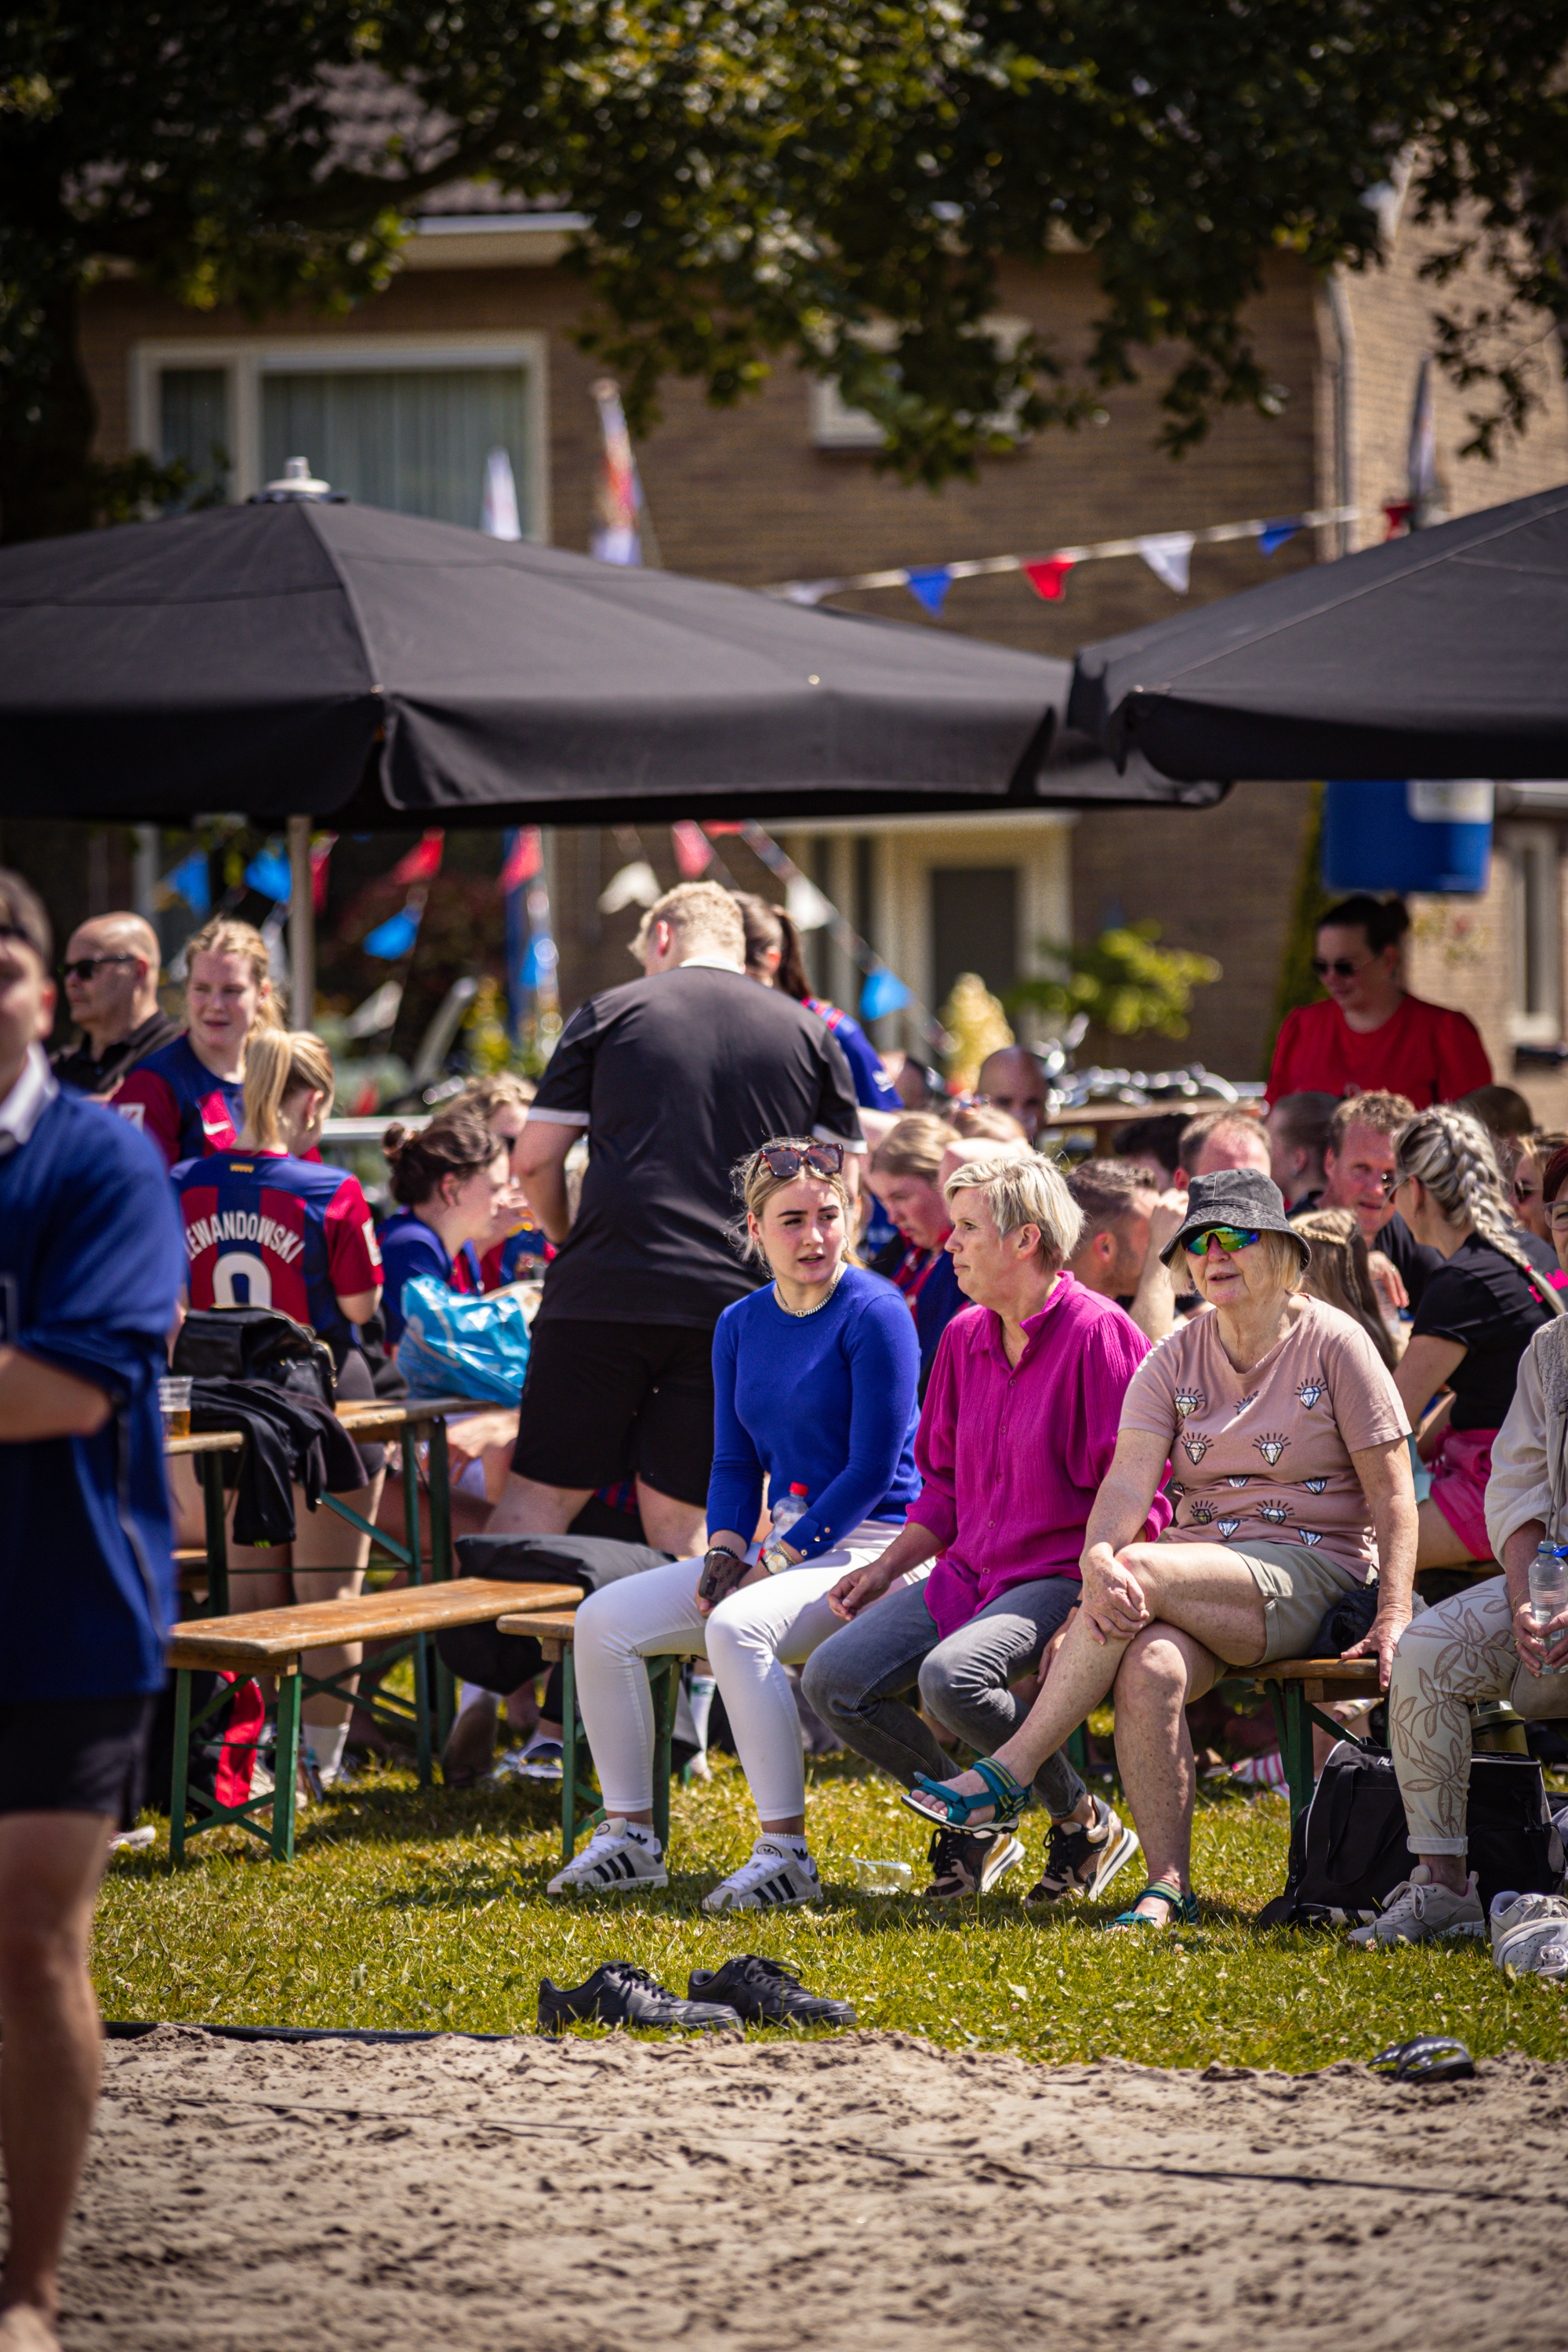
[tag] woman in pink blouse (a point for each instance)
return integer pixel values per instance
(1291, 1480)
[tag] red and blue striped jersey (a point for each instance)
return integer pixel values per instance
(174, 1098)
(265, 1230)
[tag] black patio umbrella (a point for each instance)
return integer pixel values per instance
(317, 659)
(1445, 654)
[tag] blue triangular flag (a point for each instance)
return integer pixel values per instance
(931, 585)
(394, 938)
(1274, 534)
(884, 993)
(189, 881)
(269, 873)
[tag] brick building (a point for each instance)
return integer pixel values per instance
(471, 345)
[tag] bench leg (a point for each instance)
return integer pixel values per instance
(216, 1535)
(1075, 1748)
(441, 1569)
(286, 1766)
(664, 1678)
(182, 1760)
(1294, 1716)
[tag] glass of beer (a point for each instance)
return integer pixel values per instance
(175, 1404)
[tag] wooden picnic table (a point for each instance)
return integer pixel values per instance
(554, 1626)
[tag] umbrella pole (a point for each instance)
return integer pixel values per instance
(301, 926)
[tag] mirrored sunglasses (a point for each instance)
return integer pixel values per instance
(1229, 1237)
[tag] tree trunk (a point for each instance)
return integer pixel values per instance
(48, 480)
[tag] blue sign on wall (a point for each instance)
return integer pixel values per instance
(1423, 835)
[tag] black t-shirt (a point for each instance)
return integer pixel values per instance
(1481, 1301)
(674, 1080)
(75, 1065)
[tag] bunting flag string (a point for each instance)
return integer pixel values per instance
(883, 991)
(1168, 554)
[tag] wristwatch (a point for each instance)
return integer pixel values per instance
(775, 1559)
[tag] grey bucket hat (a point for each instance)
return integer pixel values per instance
(1244, 1197)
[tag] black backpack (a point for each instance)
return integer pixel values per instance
(255, 1343)
(1348, 1849)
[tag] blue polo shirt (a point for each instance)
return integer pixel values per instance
(91, 1266)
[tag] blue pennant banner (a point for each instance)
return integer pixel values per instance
(884, 993)
(394, 938)
(191, 881)
(931, 585)
(269, 873)
(1275, 534)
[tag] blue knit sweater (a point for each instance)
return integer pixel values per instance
(824, 1401)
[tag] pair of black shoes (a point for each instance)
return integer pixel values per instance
(747, 1989)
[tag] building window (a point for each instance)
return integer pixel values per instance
(1536, 1012)
(405, 423)
(973, 926)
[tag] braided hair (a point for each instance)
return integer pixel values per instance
(1451, 1154)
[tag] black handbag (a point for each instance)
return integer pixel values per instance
(255, 1343)
(1349, 1850)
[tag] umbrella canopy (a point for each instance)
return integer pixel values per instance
(314, 658)
(1438, 655)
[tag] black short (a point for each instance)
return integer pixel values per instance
(605, 1401)
(74, 1756)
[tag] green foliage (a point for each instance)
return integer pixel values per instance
(1123, 981)
(428, 1911)
(770, 177)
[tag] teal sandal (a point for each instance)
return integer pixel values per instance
(1182, 1910)
(939, 1801)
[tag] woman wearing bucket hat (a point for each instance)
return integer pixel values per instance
(1284, 1439)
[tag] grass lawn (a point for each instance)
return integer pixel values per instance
(428, 1911)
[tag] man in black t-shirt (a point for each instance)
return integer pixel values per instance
(112, 988)
(672, 1079)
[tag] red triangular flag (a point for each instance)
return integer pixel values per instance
(1047, 578)
(1396, 513)
(523, 859)
(320, 855)
(693, 854)
(421, 863)
(713, 831)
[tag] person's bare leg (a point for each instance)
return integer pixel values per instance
(1199, 1588)
(50, 1864)
(1436, 1544)
(529, 1507)
(671, 1525)
(1161, 1671)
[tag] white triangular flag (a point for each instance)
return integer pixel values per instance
(498, 510)
(377, 1012)
(805, 905)
(1169, 555)
(635, 885)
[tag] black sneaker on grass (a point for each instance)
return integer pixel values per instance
(766, 1994)
(969, 1862)
(1079, 1861)
(618, 1994)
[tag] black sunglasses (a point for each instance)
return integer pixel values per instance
(786, 1160)
(1342, 967)
(85, 966)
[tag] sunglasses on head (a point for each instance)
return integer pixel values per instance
(1342, 967)
(1229, 1237)
(84, 967)
(786, 1160)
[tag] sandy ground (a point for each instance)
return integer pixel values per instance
(596, 2196)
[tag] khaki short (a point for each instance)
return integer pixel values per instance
(1298, 1587)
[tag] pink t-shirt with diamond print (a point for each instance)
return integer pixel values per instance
(1264, 1456)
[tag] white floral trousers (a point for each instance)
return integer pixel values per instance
(1448, 1658)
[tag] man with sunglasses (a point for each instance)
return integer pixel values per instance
(1368, 1033)
(110, 974)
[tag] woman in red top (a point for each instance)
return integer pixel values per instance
(1368, 1036)
(189, 1096)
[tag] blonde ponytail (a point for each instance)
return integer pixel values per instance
(1451, 1154)
(280, 1063)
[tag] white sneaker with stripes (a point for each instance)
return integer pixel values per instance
(775, 1877)
(614, 1862)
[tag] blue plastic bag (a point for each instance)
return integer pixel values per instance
(457, 1346)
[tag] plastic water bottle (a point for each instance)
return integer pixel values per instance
(1549, 1588)
(788, 1508)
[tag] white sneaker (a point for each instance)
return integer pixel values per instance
(1421, 1912)
(1530, 1935)
(614, 1861)
(775, 1877)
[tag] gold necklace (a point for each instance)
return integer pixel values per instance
(800, 1313)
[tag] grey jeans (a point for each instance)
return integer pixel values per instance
(855, 1681)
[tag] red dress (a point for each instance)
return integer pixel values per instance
(1425, 1051)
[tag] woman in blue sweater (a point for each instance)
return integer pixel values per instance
(814, 1380)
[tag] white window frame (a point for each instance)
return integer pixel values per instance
(246, 360)
(835, 426)
(1535, 889)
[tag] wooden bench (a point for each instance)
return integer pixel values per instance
(273, 1641)
(1298, 1689)
(552, 1629)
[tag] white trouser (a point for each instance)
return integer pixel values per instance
(749, 1640)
